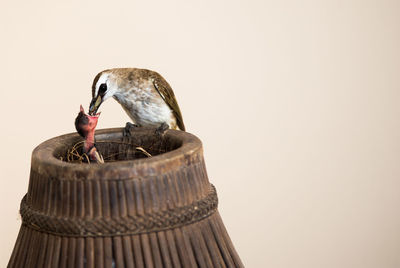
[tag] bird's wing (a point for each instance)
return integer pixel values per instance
(166, 93)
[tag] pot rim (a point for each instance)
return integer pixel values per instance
(44, 160)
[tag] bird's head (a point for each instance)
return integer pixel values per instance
(103, 88)
(86, 124)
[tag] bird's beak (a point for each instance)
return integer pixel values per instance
(95, 104)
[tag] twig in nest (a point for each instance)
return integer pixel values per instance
(143, 151)
(87, 157)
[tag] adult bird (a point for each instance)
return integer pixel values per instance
(145, 96)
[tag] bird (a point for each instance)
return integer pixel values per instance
(86, 125)
(145, 96)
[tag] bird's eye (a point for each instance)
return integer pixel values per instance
(102, 89)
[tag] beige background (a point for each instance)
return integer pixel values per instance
(296, 102)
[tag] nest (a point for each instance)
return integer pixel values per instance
(76, 154)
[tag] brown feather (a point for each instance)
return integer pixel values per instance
(165, 91)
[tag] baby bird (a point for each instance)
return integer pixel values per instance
(145, 96)
(86, 125)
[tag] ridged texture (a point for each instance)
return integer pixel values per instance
(116, 191)
(124, 224)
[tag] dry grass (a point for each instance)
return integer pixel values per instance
(73, 155)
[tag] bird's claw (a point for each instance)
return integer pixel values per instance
(161, 129)
(128, 128)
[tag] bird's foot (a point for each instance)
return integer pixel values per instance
(128, 128)
(161, 129)
(95, 156)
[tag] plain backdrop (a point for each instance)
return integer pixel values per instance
(297, 104)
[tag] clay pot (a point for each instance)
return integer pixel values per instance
(132, 211)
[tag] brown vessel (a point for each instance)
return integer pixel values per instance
(132, 211)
